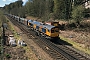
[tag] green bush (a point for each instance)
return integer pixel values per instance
(8, 56)
(78, 13)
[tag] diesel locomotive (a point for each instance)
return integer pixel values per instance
(40, 28)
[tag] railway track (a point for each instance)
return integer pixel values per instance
(54, 54)
(73, 53)
(60, 52)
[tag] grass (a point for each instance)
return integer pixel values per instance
(8, 55)
(76, 45)
(26, 48)
(11, 26)
(29, 52)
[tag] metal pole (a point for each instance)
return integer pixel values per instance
(2, 41)
(3, 34)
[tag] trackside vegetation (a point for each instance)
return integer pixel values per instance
(76, 45)
(49, 9)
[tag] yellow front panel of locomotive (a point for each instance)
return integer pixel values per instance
(28, 24)
(55, 34)
(34, 26)
(48, 32)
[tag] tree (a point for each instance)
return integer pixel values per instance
(47, 9)
(49, 5)
(13, 6)
(15, 11)
(18, 3)
(2, 18)
(35, 7)
(77, 13)
(29, 8)
(21, 12)
(77, 2)
(87, 13)
(62, 8)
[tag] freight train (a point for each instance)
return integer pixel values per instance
(42, 29)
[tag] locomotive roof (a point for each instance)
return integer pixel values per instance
(30, 21)
(49, 27)
(22, 18)
(36, 22)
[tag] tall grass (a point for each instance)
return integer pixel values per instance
(76, 45)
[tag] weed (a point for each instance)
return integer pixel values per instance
(8, 56)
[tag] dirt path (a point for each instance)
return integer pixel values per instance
(14, 53)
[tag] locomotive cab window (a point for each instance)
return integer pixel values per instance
(29, 23)
(52, 31)
(56, 30)
(48, 30)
